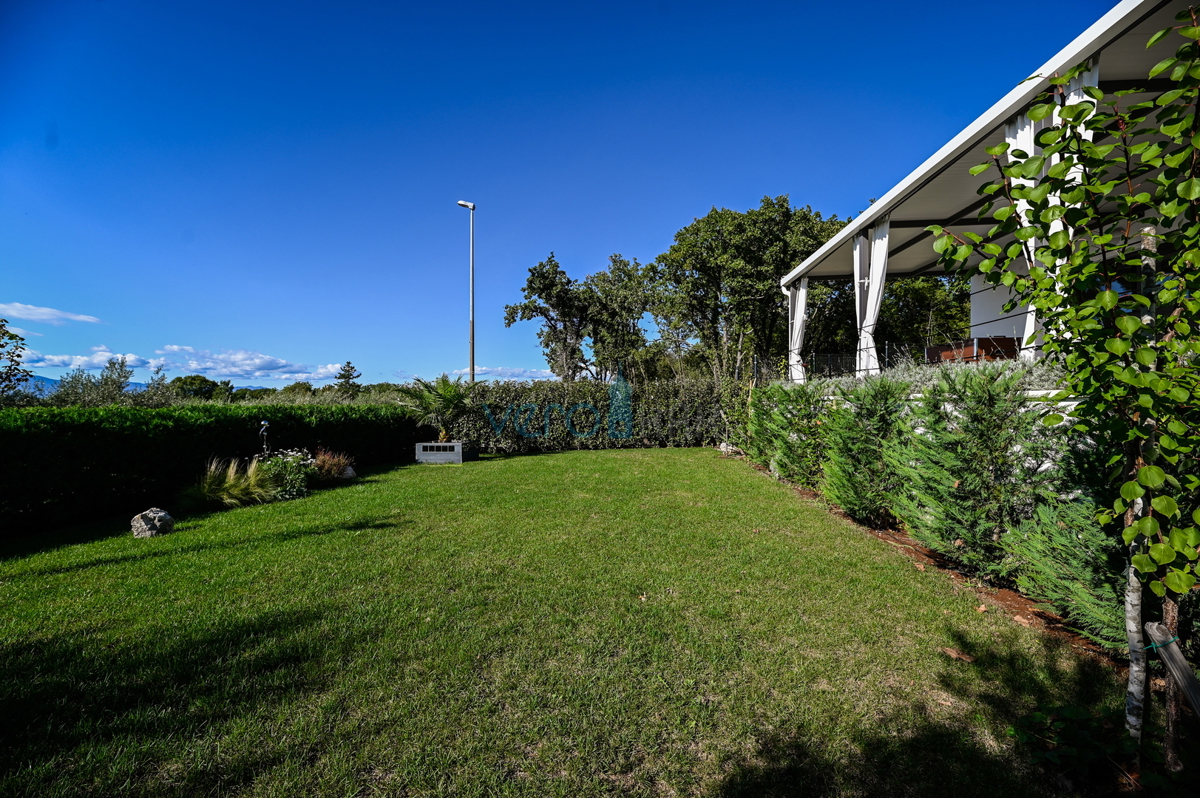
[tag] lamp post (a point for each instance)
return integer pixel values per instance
(471, 207)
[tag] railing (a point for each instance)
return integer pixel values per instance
(968, 350)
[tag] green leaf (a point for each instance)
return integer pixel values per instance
(998, 149)
(978, 170)
(1189, 189)
(1053, 420)
(1178, 539)
(1196, 516)
(1129, 324)
(1162, 66)
(1129, 533)
(1158, 37)
(1148, 525)
(1158, 588)
(1177, 427)
(1041, 111)
(1118, 346)
(1162, 553)
(1108, 299)
(1146, 356)
(1190, 31)
(1165, 505)
(1038, 193)
(1168, 97)
(1143, 563)
(1151, 476)
(1132, 490)
(1179, 581)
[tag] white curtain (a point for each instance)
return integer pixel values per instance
(870, 268)
(797, 307)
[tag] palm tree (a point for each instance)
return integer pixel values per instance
(437, 403)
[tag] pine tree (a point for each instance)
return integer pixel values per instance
(346, 377)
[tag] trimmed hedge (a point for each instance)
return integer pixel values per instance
(74, 464)
(513, 417)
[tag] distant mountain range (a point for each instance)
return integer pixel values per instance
(49, 385)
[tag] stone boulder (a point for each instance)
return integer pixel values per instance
(152, 523)
(347, 474)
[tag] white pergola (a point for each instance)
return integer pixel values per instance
(889, 238)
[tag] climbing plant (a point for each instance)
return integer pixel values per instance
(1098, 230)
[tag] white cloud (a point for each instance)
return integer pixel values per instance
(227, 364)
(242, 364)
(16, 310)
(98, 359)
(509, 373)
(22, 332)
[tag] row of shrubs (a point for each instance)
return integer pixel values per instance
(77, 464)
(969, 469)
(518, 417)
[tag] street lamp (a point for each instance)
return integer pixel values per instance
(471, 207)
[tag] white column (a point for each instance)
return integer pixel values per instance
(1021, 134)
(797, 294)
(870, 270)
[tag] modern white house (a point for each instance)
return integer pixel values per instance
(889, 238)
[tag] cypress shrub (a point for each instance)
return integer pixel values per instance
(786, 431)
(978, 462)
(864, 421)
(1063, 557)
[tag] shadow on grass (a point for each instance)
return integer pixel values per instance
(942, 756)
(87, 709)
(296, 533)
(44, 540)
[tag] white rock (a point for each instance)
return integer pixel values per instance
(152, 523)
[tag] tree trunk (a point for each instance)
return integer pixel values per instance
(1135, 691)
(1174, 693)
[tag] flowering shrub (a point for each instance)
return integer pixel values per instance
(290, 471)
(330, 466)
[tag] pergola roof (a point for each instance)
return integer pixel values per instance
(942, 191)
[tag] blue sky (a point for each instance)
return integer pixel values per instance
(259, 191)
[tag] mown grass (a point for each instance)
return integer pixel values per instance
(646, 622)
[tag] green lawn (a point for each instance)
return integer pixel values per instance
(646, 622)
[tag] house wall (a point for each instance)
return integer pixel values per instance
(987, 312)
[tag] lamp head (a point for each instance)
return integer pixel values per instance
(468, 205)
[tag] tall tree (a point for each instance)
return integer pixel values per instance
(619, 298)
(195, 386)
(564, 307)
(12, 374)
(346, 384)
(720, 279)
